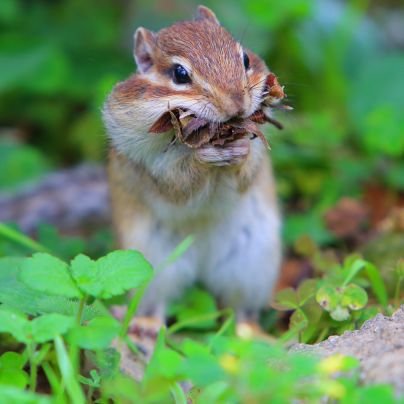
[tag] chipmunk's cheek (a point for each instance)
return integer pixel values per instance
(232, 153)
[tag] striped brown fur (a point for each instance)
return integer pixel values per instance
(162, 191)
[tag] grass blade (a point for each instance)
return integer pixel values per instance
(67, 371)
(19, 238)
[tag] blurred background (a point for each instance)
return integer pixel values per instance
(338, 162)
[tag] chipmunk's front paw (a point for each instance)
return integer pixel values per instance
(142, 330)
(233, 153)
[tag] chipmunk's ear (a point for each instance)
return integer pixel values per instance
(145, 42)
(204, 13)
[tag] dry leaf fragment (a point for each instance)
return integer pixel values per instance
(193, 125)
(275, 89)
(163, 124)
(176, 124)
(258, 117)
(198, 138)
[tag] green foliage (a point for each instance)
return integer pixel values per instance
(11, 370)
(111, 275)
(40, 329)
(380, 113)
(48, 274)
(16, 294)
(19, 163)
(14, 395)
(96, 334)
(337, 300)
(220, 367)
(347, 130)
(195, 304)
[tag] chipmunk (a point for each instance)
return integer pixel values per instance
(164, 190)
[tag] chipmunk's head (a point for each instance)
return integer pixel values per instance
(198, 65)
(193, 66)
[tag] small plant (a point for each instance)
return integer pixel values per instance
(335, 302)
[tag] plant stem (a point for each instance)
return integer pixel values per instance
(322, 335)
(56, 385)
(90, 391)
(132, 308)
(195, 320)
(80, 311)
(69, 378)
(74, 351)
(33, 367)
(397, 291)
(224, 327)
(178, 394)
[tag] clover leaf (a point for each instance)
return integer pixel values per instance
(48, 274)
(111, 275)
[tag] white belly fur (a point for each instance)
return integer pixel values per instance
(237, 255)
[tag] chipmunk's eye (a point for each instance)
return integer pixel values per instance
(246, 61)
(181, 76)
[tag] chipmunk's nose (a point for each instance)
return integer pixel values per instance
(234, 105)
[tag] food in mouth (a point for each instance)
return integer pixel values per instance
(196, 132)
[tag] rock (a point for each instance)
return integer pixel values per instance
(378, 345)
(74, 200)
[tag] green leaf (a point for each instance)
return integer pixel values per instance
(15, 324)
(286, 299)
(354, 297)
(48, 326)
(340, 313)
(40, 329)
(376, 280)
(14, 293)
(11, 373)
(111, 275)
(353, 267)
(48, 274)
(198, 359)
(12, 360)
(328, 297)
(94, 381)
(214, 393)
(298, 319)
(162, 369)
(13, 395)
(97, 334)
(13, 377)
(375, 395)
(107, 362)
(166, 363)
(377, 283)
(306, 290)
(195, 303)
(121, 389)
